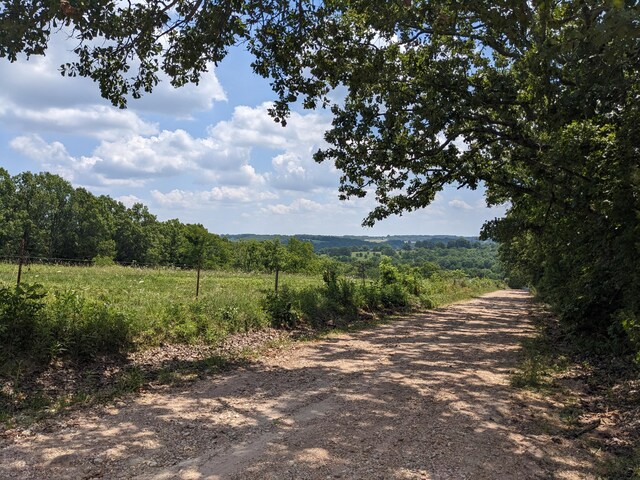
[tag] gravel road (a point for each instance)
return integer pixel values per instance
(427, 397)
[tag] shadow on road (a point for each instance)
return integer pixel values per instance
(426, 397)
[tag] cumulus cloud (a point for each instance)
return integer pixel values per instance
(166, 154)
(73, 105)
(187, 199)
(252, 127)
(97, 121)
(301, 205)
(129, 200)
(55, 158)
(294, 168)
(293, 172)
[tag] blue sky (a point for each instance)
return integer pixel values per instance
(205, 154)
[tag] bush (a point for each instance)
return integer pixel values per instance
(82, 328)
(23, 326)
(340, 295)
(313, 306)
(393, 296)
(103, 261)
(279, 308)
(427, 302)
(630, 322)
(68, 325)
(370, 297)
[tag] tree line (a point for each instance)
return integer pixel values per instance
(47, 217)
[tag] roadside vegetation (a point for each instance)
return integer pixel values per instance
(593, 391)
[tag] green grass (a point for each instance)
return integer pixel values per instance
(158, 302)
(146, 290)
(442, 290)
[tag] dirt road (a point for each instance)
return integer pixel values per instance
(427, 397)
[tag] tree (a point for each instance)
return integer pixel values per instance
(198, 245)
(248, 255)
(275, 258)
(300, 256)
(93, 227)
(9, 229)
(133, 233)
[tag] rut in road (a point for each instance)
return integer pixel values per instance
(425, 397)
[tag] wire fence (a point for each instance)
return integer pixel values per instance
(37, 260)
(25, 261)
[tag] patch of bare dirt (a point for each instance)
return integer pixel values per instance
(427, 397)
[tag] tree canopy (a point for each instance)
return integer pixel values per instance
(538, 101)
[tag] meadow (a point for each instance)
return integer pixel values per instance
(159, 303)
(89, 310)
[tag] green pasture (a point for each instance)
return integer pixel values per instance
(160, 303)
(83, 311)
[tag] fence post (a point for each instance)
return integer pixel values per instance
(20, 262)
(277, 272)
(198, 280)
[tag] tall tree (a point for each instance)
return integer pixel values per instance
(9, 232)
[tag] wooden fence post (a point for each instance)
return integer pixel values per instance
(198, 280)
(20, 262)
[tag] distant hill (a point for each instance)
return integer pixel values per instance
(322, 242)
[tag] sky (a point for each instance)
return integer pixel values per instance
(206, 154)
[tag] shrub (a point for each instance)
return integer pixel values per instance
(339, 295)
(103, 261)
(370, 297)
(82, 328)
(393, 296)
(389, 274)
(631, 325)
(313, 307)
(23, 326)
(279, 308)
(427, 302)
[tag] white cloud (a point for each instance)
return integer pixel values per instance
(294, 168)
(182, 102)
(253, 127)
(166, 154)
(55, 158)
(129, 200)
(97, 121)
(186, 199)
(301, 205)
(246, 175)
(460, 204)
(73, 104)
(293, 172)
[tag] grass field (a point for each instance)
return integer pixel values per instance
(158, 305)
(157, 301)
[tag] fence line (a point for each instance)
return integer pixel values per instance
(29, 259)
